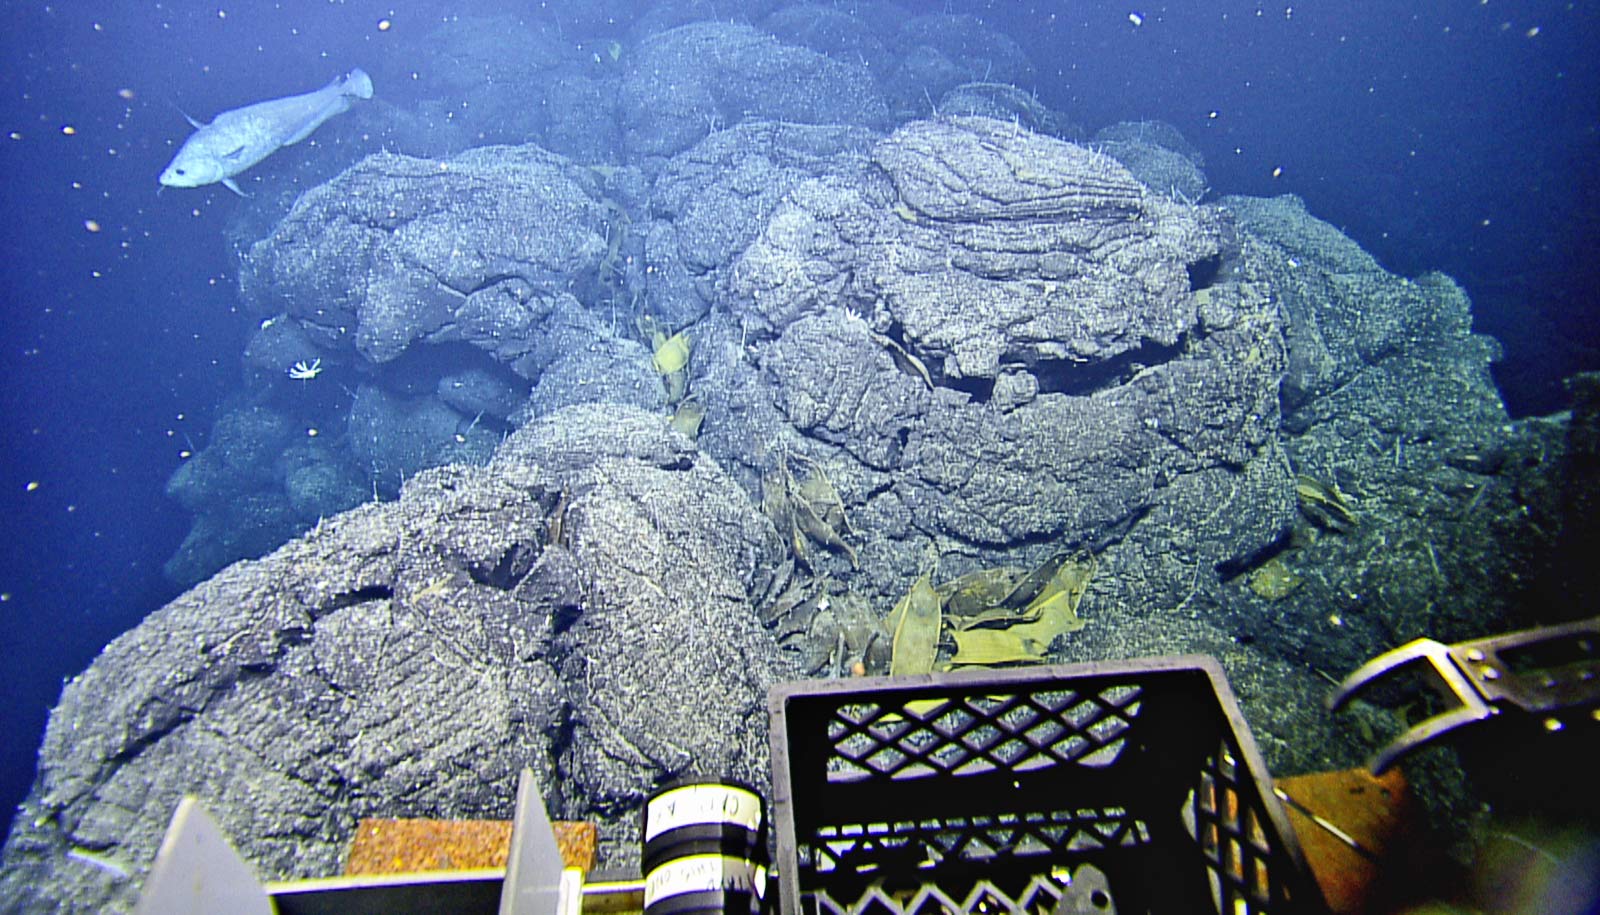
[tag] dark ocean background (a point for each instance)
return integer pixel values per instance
(1457, 136)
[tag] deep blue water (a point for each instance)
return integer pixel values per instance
(1459, 136)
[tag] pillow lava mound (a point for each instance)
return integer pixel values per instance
(581, 606)
(996, 345)
(1080, 376)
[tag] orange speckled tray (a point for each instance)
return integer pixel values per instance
(408, 846)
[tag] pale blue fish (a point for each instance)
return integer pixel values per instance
(238, 139)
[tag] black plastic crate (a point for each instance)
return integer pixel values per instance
(1130, 786)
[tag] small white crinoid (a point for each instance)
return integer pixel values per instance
(305, 371)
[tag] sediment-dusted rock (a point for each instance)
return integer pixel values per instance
(689, 81)
(1388, 401)
(711, 200)
(985, 245)
(582, 607)
(396, 250)
(1014, 342)
(935, 52)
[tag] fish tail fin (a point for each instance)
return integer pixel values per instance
(357, 83)
(192, 122)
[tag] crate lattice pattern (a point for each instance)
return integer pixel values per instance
(1022, 732)
(969, 735)
(1244, 877)
(1039, 896)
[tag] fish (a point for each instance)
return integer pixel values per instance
(241, 137)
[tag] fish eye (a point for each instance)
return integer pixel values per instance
(178, 171)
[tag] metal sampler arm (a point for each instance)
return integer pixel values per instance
(1552, 672)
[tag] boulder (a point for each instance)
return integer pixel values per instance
(397, 250)
(689, 81)
(582, 607)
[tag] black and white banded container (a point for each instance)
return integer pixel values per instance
(705, 849)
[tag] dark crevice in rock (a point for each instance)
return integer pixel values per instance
(563, 615)
(897, 332)
(507, 571)
(417, 370)
(554, 583)
(286, 637)
(1204, 273)
(155, 718)
(679, 462)
(158, 716)
(495, 279)
(1078, 379)
(978, 388)
(351, 598)
(562, 734)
